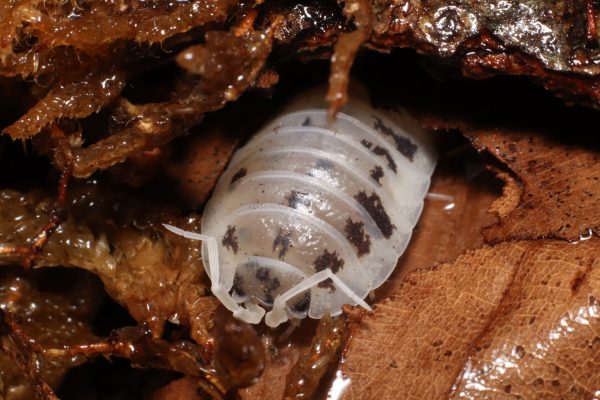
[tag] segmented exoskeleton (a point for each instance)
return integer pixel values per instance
(312, 214)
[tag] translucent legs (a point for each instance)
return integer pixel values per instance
(253, 313)
(279, 315)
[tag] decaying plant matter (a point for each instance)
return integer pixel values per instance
(119, 97)
(522, 318)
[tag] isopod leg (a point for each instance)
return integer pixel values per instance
(253, 314)
(278, 314)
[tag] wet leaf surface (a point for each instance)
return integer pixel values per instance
(50, 318)
(305, 375)
(155, 274)
(521, 318)
(273, 381)
(92, 92)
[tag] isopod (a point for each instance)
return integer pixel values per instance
(312, 214)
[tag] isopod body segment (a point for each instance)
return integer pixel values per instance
(313, 214)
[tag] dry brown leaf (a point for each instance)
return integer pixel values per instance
(519, 318)
(561, 194)
(511, 195)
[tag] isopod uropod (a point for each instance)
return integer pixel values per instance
(312, 214)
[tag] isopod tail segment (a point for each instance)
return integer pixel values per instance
(253, 313)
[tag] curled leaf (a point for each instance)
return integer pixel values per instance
(561, 185)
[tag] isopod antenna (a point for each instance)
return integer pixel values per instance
(253, 314)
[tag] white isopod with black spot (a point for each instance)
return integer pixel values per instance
(311, 214)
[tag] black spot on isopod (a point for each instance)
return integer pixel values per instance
(269, 283)
(406, 147)
(238, 175)
(268, 299)
(328, 260)
(325, 165)
(230, 239)
(376, 210)
(237, 286)
(355, 233)
(377, 174)
(381, 127)
(307, 122)
(282, 241)
(296, 199)
(380, 151)
(302, 306)
(262, 274)
(327, 284)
